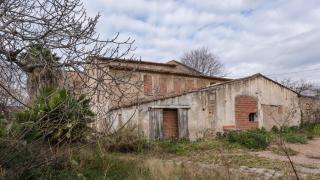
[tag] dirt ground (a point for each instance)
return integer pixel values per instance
(303, 156)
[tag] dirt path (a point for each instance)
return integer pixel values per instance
(303, 157)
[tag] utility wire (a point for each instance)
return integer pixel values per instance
(293, 72)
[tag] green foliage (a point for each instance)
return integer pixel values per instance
(174, 146)
(3, 126)
(310, 136)
(37, 53)
(127, 139)
(254, 139)
(27, 162)
(57, 116)
(185, 146)
(92, 167)
(316, 129)
(295, 138)
(275, 129)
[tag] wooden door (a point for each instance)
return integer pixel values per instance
(170, 123)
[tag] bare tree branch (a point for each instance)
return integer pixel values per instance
(203, 61)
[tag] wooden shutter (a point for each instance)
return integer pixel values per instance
(183, 123)
(156, 123)
(147, 83)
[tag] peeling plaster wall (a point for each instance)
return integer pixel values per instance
(265, 91)
(196, 103)
(212, 108)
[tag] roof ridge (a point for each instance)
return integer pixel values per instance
(169, 72)
(134, 61)
(191, 68)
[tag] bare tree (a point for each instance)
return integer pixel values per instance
(203, 61)
(64, 28)
(39, 37)
(300, 86)
(13, 91)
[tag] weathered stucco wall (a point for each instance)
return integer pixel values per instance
(266, 92)
(195, 103)
(210, 109)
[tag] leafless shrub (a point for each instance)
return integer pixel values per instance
(282, 122)
(300, 86)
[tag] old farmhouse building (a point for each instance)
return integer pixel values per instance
(141, 81)
(172, 100)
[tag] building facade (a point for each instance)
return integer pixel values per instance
(245, 103)
(130, 82)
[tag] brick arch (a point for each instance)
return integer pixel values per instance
(244, 106)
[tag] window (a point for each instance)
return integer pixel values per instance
(147, 84)
(252, 117)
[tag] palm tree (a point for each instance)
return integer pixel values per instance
(44, 71)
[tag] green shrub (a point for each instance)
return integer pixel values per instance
(295, 138)
(127, 139)
(316, 129)
(310, 136)
(307, 126)
(275, 129)
(56, 116)
(285, 129)
(174, 146)
(2, 127)
(254, 139)
(233, 136)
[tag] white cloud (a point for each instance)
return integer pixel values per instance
(271, 37)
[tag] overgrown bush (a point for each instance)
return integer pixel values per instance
(316, 129)
(297, 134)
(126, 139)
(29, 161)
(253, 139)
(295, 138)
(174, 146)
(56, 116)
(275, 129)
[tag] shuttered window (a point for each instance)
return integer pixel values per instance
(147, 83)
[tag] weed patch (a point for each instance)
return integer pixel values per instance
(128, 139)
(255, 139)
(280, 151)
(295, 138)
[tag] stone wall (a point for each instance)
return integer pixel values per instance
(310, 107)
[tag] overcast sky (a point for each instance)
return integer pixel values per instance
(279, 38)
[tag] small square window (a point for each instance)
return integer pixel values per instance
(252, 117)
